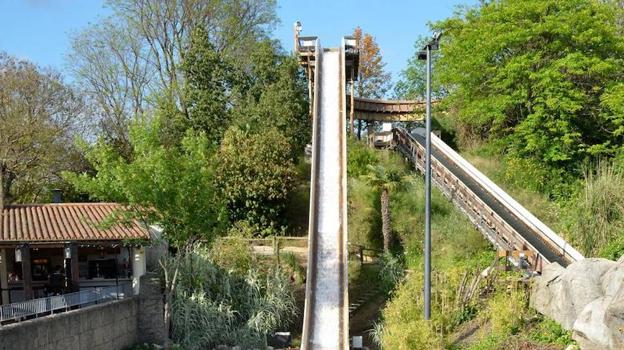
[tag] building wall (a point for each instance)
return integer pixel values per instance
(109, 326)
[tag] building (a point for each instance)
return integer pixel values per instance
(38, 239)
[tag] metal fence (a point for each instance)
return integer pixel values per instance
(23, 310)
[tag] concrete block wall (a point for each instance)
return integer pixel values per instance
(108, 326)
(151, 310)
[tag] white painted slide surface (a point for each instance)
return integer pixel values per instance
(326, 312)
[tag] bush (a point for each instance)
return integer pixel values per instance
(255, 174)
(597, 212)
(505, 312)
(291, 265)
(391, 272)
(359, 157)
(364, 215)
(232, 254)
(214, 306)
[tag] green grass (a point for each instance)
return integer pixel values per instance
(458, 249)
(590, 217)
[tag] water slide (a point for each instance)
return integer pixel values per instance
(326, 319)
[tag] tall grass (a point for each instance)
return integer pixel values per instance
(214, 306)
(596, 214)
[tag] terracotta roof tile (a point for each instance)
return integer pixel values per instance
(64, 222)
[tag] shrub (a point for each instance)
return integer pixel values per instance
(548, 331)
(232, 254)
(391, 272)
(214, 306)
(359, 157)
(291, 265)
(255, 174)
(505, 311)
(597, 212)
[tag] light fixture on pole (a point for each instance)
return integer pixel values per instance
(18, 253)
(426, 55)
(297, 29)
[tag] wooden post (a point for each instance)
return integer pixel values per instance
(361, 248)
(74, 267)
(352, 112)
(359, 129)
(310, 92)
(26, 272)
(4, 278)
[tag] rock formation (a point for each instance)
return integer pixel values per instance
(587, 298)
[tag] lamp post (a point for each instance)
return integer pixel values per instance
(297, 29)
(426, 55)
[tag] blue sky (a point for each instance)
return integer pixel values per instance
(39, 30)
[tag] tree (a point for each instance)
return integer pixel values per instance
(208, 89)
(386, 180)
(39, 116)
(139, 50)
(413, 82)
(275, 96)
(255, 173)
(168, 186)
(108, 61)
(373, 80)
(171, 187)
(538, 78)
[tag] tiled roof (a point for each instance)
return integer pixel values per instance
(64, 222)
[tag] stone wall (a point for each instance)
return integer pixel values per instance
(109, 326)
(151, 310)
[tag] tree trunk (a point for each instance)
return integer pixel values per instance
(1, 190)
(167, 318)
(170, 285)
(385, 219)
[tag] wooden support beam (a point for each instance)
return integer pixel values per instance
(4, 277)
(74, 267)
(27, 272)
(359, 134)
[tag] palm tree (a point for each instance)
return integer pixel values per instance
(386, 180)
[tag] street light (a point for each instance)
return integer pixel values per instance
(297, 29)
(432, 45)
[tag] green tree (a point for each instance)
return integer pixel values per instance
(255, 173)
(542, 79)
(275, 95)
(171, 187)
(413, 79)
(209, 81)
(386, 180)
(39, 116)
(140, 48)
(168, 186)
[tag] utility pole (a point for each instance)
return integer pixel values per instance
(426, 55)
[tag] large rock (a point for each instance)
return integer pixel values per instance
(584, 281)
(590, 330)
(562, 294)
(614, 318)
(587, 297)
(550, 296)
